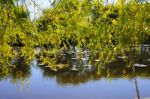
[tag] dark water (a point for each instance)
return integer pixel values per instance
(115, 81)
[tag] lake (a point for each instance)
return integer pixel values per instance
(115, 81)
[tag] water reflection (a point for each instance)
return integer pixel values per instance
(83, 72)
(112, 71)
(121, 79)
(80, 77)
(82, 68)
(20, 73)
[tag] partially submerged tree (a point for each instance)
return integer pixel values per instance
(88, 24)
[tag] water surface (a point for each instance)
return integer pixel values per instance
(115, 81)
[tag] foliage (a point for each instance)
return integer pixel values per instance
(108, 29)
(16, 31)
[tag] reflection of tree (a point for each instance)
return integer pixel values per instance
(22, 70)
(115, 69)
(18, 75)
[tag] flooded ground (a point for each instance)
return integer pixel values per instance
(115, 81)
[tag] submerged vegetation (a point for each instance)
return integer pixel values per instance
(104, 29)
